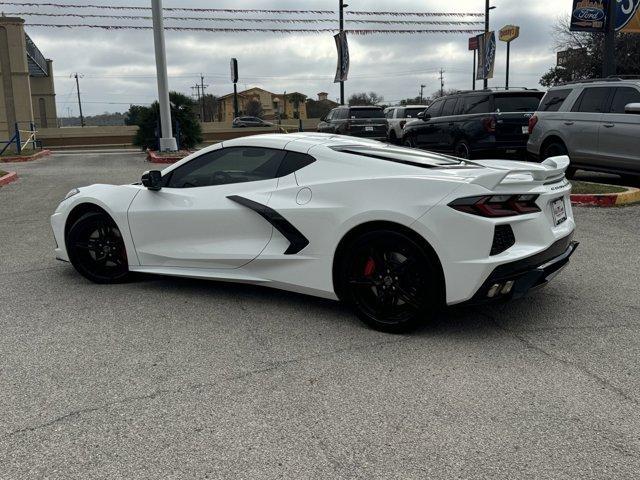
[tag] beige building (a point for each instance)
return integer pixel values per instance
(271, 104)
(27, 93)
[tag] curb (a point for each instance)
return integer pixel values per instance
(8, 178)
(631, 196)
(17, 159)
(153, 157)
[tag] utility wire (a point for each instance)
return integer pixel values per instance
(253, 20)
(261, 30)
(247, 10)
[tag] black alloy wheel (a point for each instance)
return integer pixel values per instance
(390, 282)
(554, 149)
(96, 249)
(462, 149)
(409, 141)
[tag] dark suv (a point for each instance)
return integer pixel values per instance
(476, 124)
(365, 121)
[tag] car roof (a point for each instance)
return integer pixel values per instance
(598, 82)
(362, 107)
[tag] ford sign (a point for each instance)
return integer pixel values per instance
(628, 16)
(589, 15)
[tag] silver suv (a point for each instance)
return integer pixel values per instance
(597, 123)
(398, 118)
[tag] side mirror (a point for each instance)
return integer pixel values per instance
(424, 116)
(633, 108)
(152, 179)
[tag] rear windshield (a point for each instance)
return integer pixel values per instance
(517, 103)
(407, 156)
(413, 112)
(366, 113)
(553, 100)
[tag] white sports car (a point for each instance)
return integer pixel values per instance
(394, 232)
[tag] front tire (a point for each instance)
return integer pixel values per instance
(390, 282)
(96, 249)
(409, 141)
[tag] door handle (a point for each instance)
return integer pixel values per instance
(609, 125)
(569, 123)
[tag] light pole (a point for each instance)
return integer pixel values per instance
(341, 18)
(422, 87)
(167, 142)
(609, 64)
(487, 9)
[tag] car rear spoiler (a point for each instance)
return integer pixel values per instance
(551, 169)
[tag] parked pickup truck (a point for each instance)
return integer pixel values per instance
(398, 117)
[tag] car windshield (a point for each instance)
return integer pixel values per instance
(517, 103)
(366, 113)
(407, 156)
(413, 112)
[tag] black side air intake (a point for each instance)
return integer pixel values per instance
(503, 239)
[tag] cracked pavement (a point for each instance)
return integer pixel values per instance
(173, 378)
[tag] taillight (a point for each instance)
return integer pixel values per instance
(495, 206)
(533, 121)
(489, 124)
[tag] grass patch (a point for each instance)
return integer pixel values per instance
(2, 174)
(588, 188)
(179, 153)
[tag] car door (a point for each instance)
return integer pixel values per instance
(446, 125)
(191, 222)
(619, 132)
(427, 133)
(582, 125)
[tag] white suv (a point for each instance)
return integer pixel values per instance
(398, 118)
(597, 123)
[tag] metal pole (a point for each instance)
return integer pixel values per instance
(236, 114)
(506, 86)
(474, 69)
(486, 30)
(609, 66)
(79, 101)
(167, 142)
(341, 30)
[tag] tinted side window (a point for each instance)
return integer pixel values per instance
(516, 103)
(436, 108)
(341, 114)
(229, 165)
(449, 107)
(592, 100)
(294, 161)
(552, 101)
(389, 113)
(329, 116)
(623, 97)
(476, 104)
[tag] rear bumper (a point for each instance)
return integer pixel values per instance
(526, 274)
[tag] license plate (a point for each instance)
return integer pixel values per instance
(525, 130)
(368, 129)
(559, 211)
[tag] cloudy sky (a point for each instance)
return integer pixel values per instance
(119, 66)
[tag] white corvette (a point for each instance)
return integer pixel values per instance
(394, 232)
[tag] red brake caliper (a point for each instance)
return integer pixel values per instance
(369, 267)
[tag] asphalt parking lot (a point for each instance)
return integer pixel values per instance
(171, 378)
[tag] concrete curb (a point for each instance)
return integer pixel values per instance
(18, 159)
(8, 178)
(153, 157)
(632, 195)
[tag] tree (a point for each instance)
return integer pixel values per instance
(210, 107)
(438, 93)
(587, 57)
(253, 108)
(371, 98)
(297, 99)
(133, 114)
(184, 119)
(319, 108)
(414, 101)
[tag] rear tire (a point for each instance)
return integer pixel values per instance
(462, 149)
(553, 149)
(96, 249)
(389, 281)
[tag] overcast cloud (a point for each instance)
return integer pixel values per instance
(119, 66)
